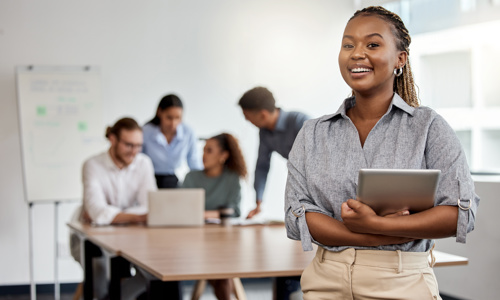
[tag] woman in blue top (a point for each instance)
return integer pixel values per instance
(168, 142)
(224, 166)
(362, 255)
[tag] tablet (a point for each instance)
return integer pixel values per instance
(390, 190)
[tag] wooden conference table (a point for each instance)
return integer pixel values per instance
(208, 252)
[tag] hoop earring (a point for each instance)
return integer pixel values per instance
(398, 72)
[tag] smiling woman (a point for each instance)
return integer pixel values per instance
(381, 126)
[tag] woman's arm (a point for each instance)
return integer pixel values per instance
(212, 214)
(437, 222)
(331, 232)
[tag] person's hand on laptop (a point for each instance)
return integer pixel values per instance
(141, 218)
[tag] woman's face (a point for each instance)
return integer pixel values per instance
(368, 55)
(213, 155)
(170, 118)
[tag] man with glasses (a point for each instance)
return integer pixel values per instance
(116, 182)
(115, 190)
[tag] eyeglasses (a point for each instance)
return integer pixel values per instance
(131, 146)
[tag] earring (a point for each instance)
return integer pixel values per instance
(398, 72)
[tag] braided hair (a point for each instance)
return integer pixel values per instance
(404, 85)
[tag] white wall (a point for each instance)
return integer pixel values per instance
(478, 279)
(208, 52)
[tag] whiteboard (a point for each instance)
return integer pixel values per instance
(61, 125)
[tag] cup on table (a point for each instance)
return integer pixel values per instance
(225, 214)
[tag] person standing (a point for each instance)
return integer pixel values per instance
(277, 131)
(169, 142)
(362, 255)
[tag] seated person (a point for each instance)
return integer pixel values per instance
(224, 165)
(115, 187)
(116, 182)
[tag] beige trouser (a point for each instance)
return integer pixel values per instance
(369, 274)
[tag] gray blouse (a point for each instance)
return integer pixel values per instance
(327, 154)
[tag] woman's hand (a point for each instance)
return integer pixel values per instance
(357, 216)
(398, 214)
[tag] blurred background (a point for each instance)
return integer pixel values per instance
(209, 53)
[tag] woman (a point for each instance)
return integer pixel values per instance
(223, 167)
(362, 255)
(169, 142)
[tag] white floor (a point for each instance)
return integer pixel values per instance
(255, 289)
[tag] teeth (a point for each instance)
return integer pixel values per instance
(360, 70)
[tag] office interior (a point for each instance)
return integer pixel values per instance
(209, 53)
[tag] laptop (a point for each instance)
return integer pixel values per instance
(176, 207)
(391, 190)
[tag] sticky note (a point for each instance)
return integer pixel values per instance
(41, 110)
(82, 126)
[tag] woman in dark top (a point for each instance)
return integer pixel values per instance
(224, 165)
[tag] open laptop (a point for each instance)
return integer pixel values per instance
(390, 190)
(176, 207)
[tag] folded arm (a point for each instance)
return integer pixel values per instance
(331, 232)
(437, 222)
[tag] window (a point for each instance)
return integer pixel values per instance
(454, 57)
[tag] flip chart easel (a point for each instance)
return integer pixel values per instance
(60, 121)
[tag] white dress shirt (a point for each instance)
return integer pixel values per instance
(108, 190)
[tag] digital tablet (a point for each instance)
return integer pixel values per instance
(390, 190)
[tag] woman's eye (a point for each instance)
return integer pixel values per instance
(373, 45)
(347, 46)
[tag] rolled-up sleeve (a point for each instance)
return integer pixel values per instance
(456, 187)
(297, 197)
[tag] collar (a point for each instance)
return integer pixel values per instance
(348, 103)
(281, 123)
(110, 164)
(160, 138)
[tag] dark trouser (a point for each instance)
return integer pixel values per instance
(286, 286)
(166, 181)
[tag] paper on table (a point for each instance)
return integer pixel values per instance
(256, 221)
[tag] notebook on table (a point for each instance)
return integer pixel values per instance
(390, 190)
(176, 207)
